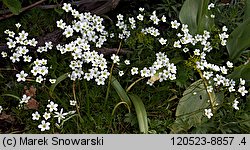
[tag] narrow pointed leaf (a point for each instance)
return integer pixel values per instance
(239, 40)
(120, 91)
(58, 80)
(140, 112)
(13, 96)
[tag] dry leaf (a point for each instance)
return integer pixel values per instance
(32, 104)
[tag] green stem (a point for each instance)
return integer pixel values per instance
(127, 90)
(77, 103)
(210, 95)
(87, 97)
(110, 77)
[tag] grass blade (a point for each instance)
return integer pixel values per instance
(120, 91)
(140, 112)
(13, 96)
(58, 80)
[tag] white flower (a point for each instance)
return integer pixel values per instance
(44, 125)
(235, 104)
(52, 106)
(18, 25)
(1, 109)
(197, 52)
(185, 49)
(224, 29)
(35, 116)
(144, 72)
(175, 24)
(140, 17)
(115, 58)
(208, 113)
(60, 115)
(72, 102)
(242, 91)
(27, 58)
(121, 73)
(177, 44)
(68, 32)
(25, 99)
(52, 81)
(242, 81)
(229, 64)
(211, 5)
(46, 116)
(39, 79)
(162, 41)
(67, 7)
(21, 76)
(163, 18)
(120, 17)
(127, 62)
(134, 71)
(223, 69)
(4, 54)
(212, 16)
(209, 89)
(141, 9)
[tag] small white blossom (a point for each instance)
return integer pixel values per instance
(134, 71)
(36, 116)
(60, 115)
(52, 106)
(229, 64)
(211, 5)
(52, 81)
(1, 109)
(21, 76)
(175, 24)
(46, 116)
(72, 102)
(25, 99)
(208, 113)
(242, 81)
(44, 125)
(140, 17)
(235, 104)
(127, 62)
(242, 91)
(121, 73)
(162, 41)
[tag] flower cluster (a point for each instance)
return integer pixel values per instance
(50, 113)
(161, 70)
(90, 31)
(212, 73)
(18, 46)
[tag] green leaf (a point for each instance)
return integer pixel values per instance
(120, 91)
(239, 40)
(247, 10)
(58, 80)
(193, 102)
(242, 72)
(11, 95)
(195, 14)
(13, 5)
(140, 112)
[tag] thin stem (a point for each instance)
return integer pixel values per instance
(87, 97)
(110, 77)
(134, 83)
(77, 104)
(210, 95)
